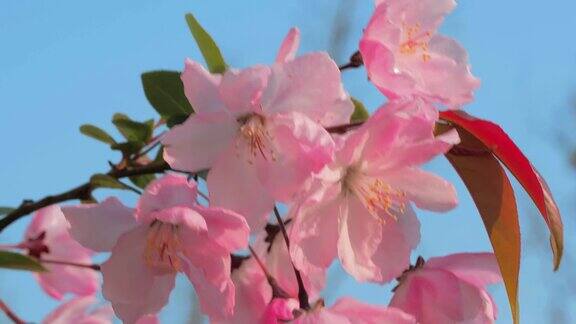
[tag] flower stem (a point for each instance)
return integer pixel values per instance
(302, 294)
(95, 267)
(277, 291)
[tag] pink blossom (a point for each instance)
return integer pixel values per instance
(358, 207)
(77, 311)
(259, 130)
(166, 233)
(256, 302)
(47, 239)
(405, 57)
(450, 289)
(348, 310)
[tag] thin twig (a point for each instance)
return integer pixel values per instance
(95, 267)
(277, 291)
(152, 145)
(302, 293)
(341, 129)
(10, 314)
(81, 192)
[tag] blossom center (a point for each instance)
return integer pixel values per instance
(163, 247)
(415, 41)
(254, 133)
(374, 193)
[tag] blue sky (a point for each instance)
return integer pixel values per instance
(65, 63)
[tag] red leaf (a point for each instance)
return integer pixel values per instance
(493, 195)
(493, 137)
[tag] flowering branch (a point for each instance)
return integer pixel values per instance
(81, 192)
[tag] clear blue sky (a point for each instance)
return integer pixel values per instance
(65, 63)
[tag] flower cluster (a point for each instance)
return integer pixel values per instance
(281, 134)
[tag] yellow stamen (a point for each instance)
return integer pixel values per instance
(257, 137)
(375, 194)
(415, 41)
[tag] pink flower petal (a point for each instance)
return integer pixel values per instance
(49, 220)
(289, 47)
(215, 301)
(133, 287)
(279, 310)
(311, 85)
(225, 227)
(201, 88)
(98, 226)
(168, 191)
(379, 62)
(428, 14)
(241, 90)
(479, 269)
(400, 237)
(438, 296)
(426, 190)
(253, 293)
(233, 184)
(314, 234)
(199, 141)
(304, 147)
(359, 236)
(61, 279)
(405, 58)
(184, 216)
(76, 311)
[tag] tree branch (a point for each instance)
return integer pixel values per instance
(84, 191)
(81, 192)
(10, 314)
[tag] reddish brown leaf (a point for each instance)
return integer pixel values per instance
(499, 143)
(493, 195)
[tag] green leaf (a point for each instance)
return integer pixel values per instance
(5, 210)
(207, 46)
(17, 261)
(132, 130)
(143, 180)
(360, 113)
(106, 181)
(128, 148)
(165, 92)
(175, 120)
(97, 134)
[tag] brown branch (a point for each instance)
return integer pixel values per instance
(81, 192)
(84, 191)
(10, 314)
